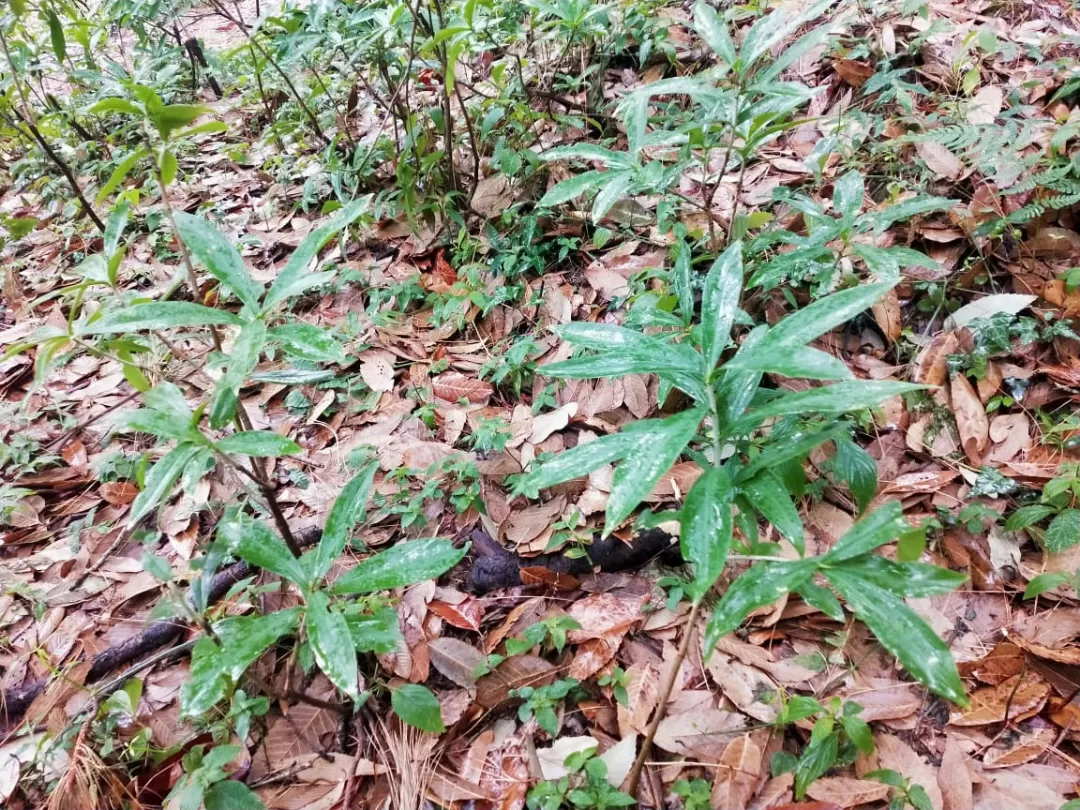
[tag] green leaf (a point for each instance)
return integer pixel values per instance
(404, 564)
(902, 633)
(331, 644)
(173, 116)
(169, 399)
(794, 361)
(253, 542)
(155, 566)
(114, 228)
(613, 189)
(908, 579)
(587, 151)
(714, 30)
(819, 756)
(229, 794)
(825, 314)
(1027, 516)
(169, 166)
(705, 536)
(836, 398)
(1063, 532)
(243, 358)
(769, 497)
(848, 192)
(214, 670)
(884, 524)
(794, 446)
(855, 466)
(578, 461)
(1045, 582)
(162, 425)
(18, 7)
(214, 252)
(418, 707)
(56, 36)
(374, 632)
(683, 282)
(720, 303)
(113, 105)
(821, 598)
(761, 585)
(737, 388)
(347, 511)
(259, 443)
(772, 28)
(160, 315)
(119, 173)
(659, 443)
(160, 480)
(291, 277)
(308, 342)
(572, 187)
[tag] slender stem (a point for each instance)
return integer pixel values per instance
(661, 706)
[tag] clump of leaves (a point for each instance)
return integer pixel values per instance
(587, 786)
(837, 737)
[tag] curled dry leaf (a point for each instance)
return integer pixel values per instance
(971, 421)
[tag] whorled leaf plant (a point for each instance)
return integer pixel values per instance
(734, 431)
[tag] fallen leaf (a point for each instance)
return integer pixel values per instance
(466, 614)
(895, 755)
(846, 792)
(852, 72)
(988, 305)
(492, 196)
(1019, 697)
(453, 385)
(456, 660)
(985, 105)
(940, 160)
(954, 778)
(378, 373)
(553, 758)
(971, 421)
(545, 424)
(737, 774)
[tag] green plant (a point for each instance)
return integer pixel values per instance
(905, 793)
(549, 634)
(837, 737)
(1057, 502)
(206, 784)
(618, 680)
(586, 786)
(540, 702)
(696, 794)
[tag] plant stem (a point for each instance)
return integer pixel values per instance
(661, 706)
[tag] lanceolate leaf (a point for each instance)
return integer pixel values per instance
(902, 633)
(374, 632)
(404, 564)
(308, 342)
(761, 585)
(294, 270)
(768, 495)
(657, 448)
(794, 446)
(417, 706)
(254, 542)
(836, 398)
(160, 480)
(855, 466)
(214, 669)
(258, 443)
(160, 315)
(242, 359)
(211, 249)
(705, 535)
(825, 314)
(796, 361)
(331, 644)
(720, 302)
(821, 598)
(714, 30)
(578, 461)
(904, 579)
(884, 524)
(347, 511)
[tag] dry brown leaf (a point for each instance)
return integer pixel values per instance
(643, 692)
(986, 104)
(971, 419)
(1020, 745)
(954, 779)
(1020, 697)
(378, 373)
(886, 312)
(118, 493)
(492, 195)
(896, 755)
(456, 660)
(931, 364)
(453, 385)
(737, 774)
(602, 615)
(774, 792)
(940, 160)
(493, 690)
(466, 614)
(852, 72)
(846, 792)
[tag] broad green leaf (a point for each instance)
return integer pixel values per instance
(587, 151)
(761, 585)
(772, 28)
(113, 105)
(214, 670)
(254, 542)
(572, 187)
(374, 632)
(848, 191)
(683, 282)
(1045, 582)
(792, 361)
(404, 564)
(169, 166)
(1028, 516)
(160, 480)
(837, 398)
(119, 173)
(219, 256)
(821, 598)
(169, 399)
(56, 36)
(114, 228)
(906, 209)
(162, 425)
(613, 189)
(737, 388)
(18, 7)
(903, 633)
(820, 755)
(331, 644)
(705, 535)
(1063, 532)
(578, 461)
(824, 315)
(259, 443)
(418, 707)
(203, 128)
(308, 342)
(294, 376)
(660, 443)
(229, 794)
(907, 579)
(347, 511)
(794, 446)
(720, 303)
(768, 495)
(714, 30)
(242, 359)
(160, 315)
(881, 526)
(296, 268)
(173, 116)
(855, 466)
